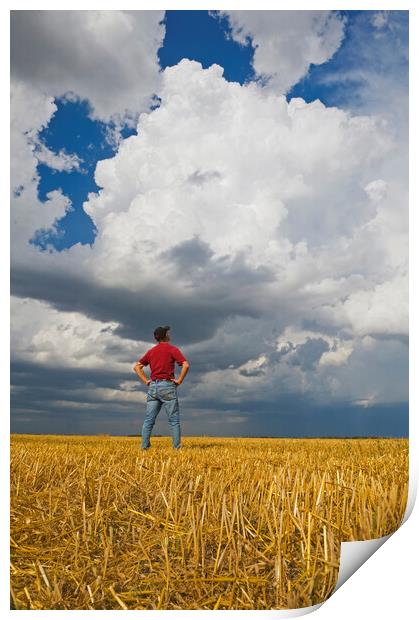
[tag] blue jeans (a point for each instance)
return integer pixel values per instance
(161, 393)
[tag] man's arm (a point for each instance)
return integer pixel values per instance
(183, 372)
(138, 369)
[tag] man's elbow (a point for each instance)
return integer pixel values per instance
(185, 364)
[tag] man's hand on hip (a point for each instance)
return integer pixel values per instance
(185, 368)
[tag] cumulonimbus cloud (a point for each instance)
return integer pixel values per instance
(218, 247)
(243, 219)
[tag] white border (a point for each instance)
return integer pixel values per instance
(386, 585)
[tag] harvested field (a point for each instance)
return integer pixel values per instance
(225, 523)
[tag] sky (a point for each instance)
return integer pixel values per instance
(241, 176)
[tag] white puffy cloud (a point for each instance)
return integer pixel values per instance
(107, 57)
(30, 111)
(376, 190)
(61, 161)
(287, 42)
(338, 355)
(43, 335)
(380, 310)
(90, 397)
(257, 157)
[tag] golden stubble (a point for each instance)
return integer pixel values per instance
(225, 523)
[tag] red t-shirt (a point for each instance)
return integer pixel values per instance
(162, 360)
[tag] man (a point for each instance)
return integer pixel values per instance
(162, 386)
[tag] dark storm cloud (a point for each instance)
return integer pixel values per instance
(322, 327)
(307, 354)
(43, 401)
(189, 254)
(227, 289)
(296, 418)
(193, 258)
(137, 313)
(62, 400)
(239, 340)
(257, 372)
(48, 380)
(403, 338)
(304, 355)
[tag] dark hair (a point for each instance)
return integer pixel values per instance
(160, 332)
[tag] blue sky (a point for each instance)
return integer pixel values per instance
(360, 57)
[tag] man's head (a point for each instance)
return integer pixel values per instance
(162, 334)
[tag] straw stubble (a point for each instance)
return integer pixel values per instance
(224, 524)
